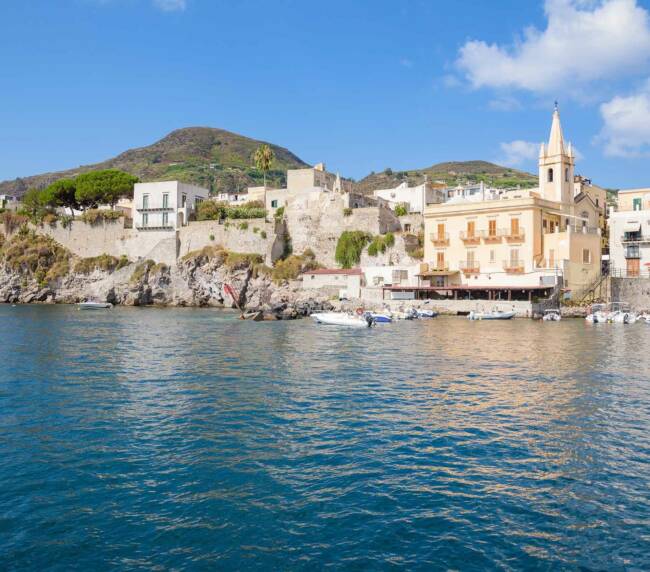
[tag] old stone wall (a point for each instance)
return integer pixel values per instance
(317, 223)
(254, 235)
(633, 291)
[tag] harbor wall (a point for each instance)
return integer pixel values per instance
(633, 291)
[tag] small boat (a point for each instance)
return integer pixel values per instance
(411, 314)
(597, 314)
(427, 313)
(94, 305)
(552, 315)
(621, 314)
(380, 318)
(494, 314)
(341, 319)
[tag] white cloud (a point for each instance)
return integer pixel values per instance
(518, 152)
(626, 129)
(584, 41)
(170, 5)
(504, 103)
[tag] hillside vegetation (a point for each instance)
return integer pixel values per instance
(213, 158)
(452, 173)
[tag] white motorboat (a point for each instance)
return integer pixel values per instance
(380, 318)
(94, 305)
(494, 314)
(427, 313)
(341, 319)
(552, 315)
(597, 314)
(621, 314)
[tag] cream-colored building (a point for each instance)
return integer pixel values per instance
(515, 244)
(413, 198)
(340, 282)
(629, 234)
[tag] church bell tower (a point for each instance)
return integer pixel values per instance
(556, 164)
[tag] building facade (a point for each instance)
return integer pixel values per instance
(415, 199)
(629, 234)
(516, 242)
(165, 205)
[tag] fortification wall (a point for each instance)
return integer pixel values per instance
(317, 223)
(258, 236)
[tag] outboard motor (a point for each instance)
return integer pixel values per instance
(369, 320)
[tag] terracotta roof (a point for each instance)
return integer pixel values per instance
(344, 271)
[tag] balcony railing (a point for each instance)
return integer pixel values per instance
(515, 235)
(439, 239)
(153, 209)
(438, 267)
(513, 266)
(495, 235)
(632, 252)
(469, 267)
(629, 237)
(152, 227)
(470, 237)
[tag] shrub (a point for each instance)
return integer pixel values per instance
(95, 216)
(350, 246)
(230, 259)
(141, 270)
(255, 230)
(12, 221)
(291, 267)
(211, 210)
(65, 220)
(122, 262)
(347, 211)
(244, 211)
(308, 253)
(104, 262)
(263, 234)
(36, 256)
(279, 214)
(50, 218)
(243, 225)
(401, 210)
(211, 237)
(389, 239)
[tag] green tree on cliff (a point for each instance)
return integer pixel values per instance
(61, 193)
(264, 159)
(107, 186)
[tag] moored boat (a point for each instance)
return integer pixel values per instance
(494, 314)
(552, 315)
(427, 313)
(94, 305)
(341, 319)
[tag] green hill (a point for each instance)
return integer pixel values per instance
(451, 173)
(212, 158)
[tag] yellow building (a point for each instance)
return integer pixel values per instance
(515, 244)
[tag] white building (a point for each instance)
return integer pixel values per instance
(165, 205)
(344, 283)
(629, 234)
(413, 198)
(233, 198)
(8, 202)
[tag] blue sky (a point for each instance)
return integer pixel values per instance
(361, 85)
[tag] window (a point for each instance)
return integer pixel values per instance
(514, 257)
(586, 256)
(145, 219)
(197, 202)
(407, 227)
(440, 260)
(492, 227)
(636, 204)
(274, 204)
(566, 174)
(165, 219)
(471, 227)
(544, 224)
(470, 258)
(184, 201)
(493, 256)
(597, 205)
(441, 231)
(550, 176)
(514, 226)
(165, 200)
(145, 201)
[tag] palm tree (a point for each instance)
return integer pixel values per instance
(264, 159)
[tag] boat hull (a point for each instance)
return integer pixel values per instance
(336, 319)
(94, 306)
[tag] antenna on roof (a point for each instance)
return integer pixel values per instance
(556, 105)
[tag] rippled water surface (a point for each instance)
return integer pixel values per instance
(142, 439)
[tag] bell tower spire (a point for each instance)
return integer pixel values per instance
(556, 163)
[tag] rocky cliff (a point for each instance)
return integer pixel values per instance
(35, 268)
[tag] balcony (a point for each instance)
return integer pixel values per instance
(144, 209)
(634, 238)
(469, 267)
(515, 235)
(438, 267)
(470, 238)
(439, 239)
(491, 237)
(151, 227)
(513, 266)
(632, 252)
